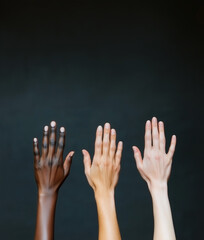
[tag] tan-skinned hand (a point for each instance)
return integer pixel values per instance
(103, 172)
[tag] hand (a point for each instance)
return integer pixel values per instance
(155, 167)
(50, 171)
(103, 173)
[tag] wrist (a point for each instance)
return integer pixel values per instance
(104, 195)
(158, 188)
(47, 195)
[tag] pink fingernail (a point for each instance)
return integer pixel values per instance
(100, 128)
(107, 125)
(113, 131)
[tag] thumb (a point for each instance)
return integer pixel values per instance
(87, 161)
(138, 157)
(67, 163)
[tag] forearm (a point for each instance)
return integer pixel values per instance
(45, 217)
(163, 222)
(107, 218)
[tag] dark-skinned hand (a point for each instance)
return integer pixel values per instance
(50, 169)
(50, 173)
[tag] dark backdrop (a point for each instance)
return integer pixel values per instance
(83, 64)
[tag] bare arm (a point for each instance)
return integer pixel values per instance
(155, 169)
(50, 173)
(102, 175)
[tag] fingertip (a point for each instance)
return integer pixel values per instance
(148, 123)
(154, 119)
(84, 152)
(99, 128)
(62, 130)
(72, 154)
(113, 131)
(107, 125)
(53, 124)
(46, 128)
(134, 148)
(35, 140)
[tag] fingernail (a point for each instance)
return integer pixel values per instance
(161, 123)
(154, 119)
(53, 124)
(107, 125)
(135, 149)
(100, 128)
(71, 154)
(35, 140)
(113, 131)
(45, 128)
(62, 129)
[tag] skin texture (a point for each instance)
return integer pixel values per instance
(155, 169)
(50, 172)
(102, 175)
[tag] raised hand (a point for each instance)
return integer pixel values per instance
(102, 174)
(50, 172)
(155, 169)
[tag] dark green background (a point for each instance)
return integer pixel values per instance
(83, 64)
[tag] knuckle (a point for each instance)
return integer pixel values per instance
(105, 143)
(98, 144)
(117, 168)
(118, 154)
(52, 142)
(157, 157)
(107, 163)
(112, 148)
(61, 145)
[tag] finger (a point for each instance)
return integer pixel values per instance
(118, 154)
(106, 139)
(172, 147)
(138, 157)
(113, 143)
(52, 142)
(98, 141)
(155, 134)
(148, 137)
(67, 163)
(36, 151)
(87, 162)
(45, 142)
(162, 139)
(61, 144)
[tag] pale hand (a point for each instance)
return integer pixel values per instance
(155, 167)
